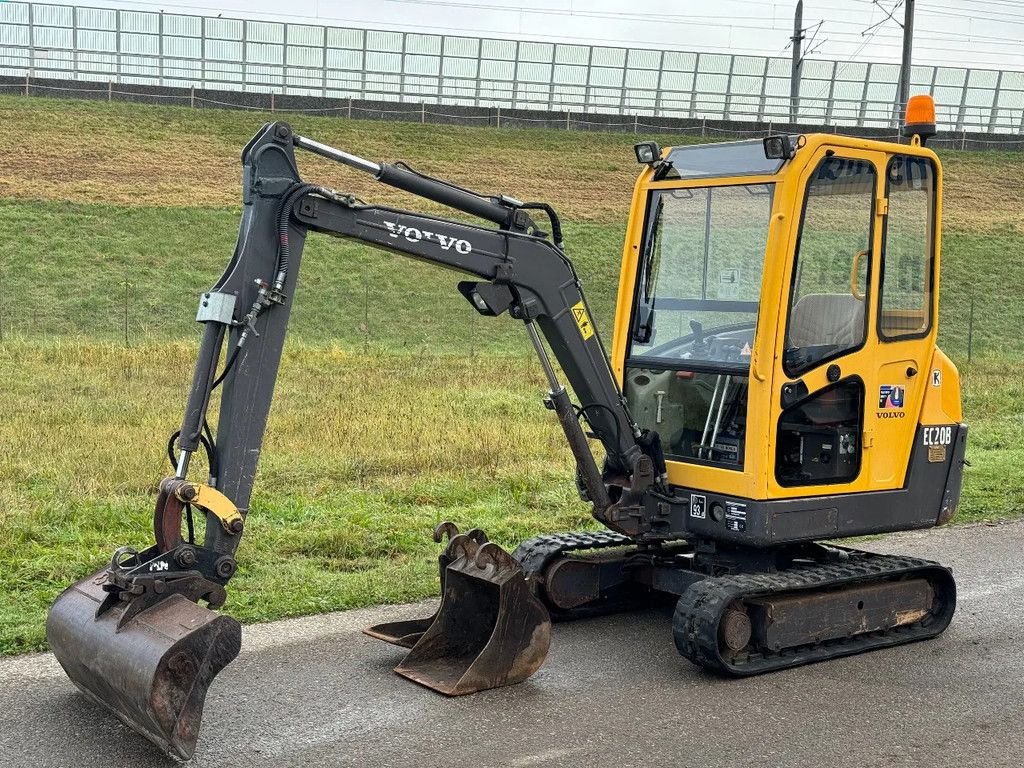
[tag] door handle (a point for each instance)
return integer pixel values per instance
(855, 275)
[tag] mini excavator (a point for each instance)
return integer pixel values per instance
(773, 384)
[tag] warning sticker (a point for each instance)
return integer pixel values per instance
(579, 313)
(728, 283)
(735, 516)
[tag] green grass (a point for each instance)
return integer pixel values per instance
(398, 406)
(67, 278)
(364, 455)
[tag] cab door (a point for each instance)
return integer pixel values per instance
(828, 373)
(907, 301)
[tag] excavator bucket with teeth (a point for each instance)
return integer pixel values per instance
(490, 631)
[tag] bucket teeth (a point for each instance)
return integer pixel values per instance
(152, 670)
(490, 629)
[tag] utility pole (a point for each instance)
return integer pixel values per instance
(794, 78)
(908, 41)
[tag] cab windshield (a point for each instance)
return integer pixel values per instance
(700, 276)
(692, 337)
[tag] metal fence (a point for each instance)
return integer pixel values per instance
(168, 49)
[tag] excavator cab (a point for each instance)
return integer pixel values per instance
(776, 325)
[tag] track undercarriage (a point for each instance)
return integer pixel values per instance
(737, 612)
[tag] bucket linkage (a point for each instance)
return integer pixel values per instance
(490, 629)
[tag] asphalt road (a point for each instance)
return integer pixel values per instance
(613, 692)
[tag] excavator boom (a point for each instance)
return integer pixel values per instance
(133, 636)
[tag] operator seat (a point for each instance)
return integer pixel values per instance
(827, 319)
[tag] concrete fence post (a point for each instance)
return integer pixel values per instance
(110, 90)
(423, 112)
(636, 119)
(192, 97)
(499, 117)
(271, 101)
(27, 77)
(349, 107)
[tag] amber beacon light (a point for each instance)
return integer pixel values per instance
(920, 117)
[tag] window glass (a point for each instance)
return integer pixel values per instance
(699, 283)
(818, 438)
(906, 287)
(729, 158)
(827, 308)
(701, 417)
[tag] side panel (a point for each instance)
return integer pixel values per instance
(930, 498)
(942, 392)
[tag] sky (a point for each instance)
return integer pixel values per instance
(969, 33)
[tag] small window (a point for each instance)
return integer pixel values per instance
(909, 251)
(819, 437)
(701, 417)
(827, 308)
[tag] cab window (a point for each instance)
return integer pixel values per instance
(909, 250)
(697, 299)
(700, 274)
(827, 307)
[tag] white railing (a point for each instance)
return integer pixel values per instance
(175, 50)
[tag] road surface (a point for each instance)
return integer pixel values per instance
(613, 692)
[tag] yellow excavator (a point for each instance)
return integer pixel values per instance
(773, 384)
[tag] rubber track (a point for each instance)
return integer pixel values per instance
(699, 611)
(537, 553)
(534, 554)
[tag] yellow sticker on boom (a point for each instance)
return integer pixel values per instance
(579, 312)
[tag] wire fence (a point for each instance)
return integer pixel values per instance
(980, 315)
(137, 48)
(351, 108)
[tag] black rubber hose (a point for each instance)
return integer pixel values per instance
(207, 446)
(556, 223)
(213, 455)
(227, 368)
(283, 219)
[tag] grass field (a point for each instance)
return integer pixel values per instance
(397, 406)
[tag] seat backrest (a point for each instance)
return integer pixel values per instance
(827, 318)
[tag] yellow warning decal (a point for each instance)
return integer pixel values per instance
(579, 312)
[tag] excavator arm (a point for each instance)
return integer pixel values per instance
(132, 635)
(513, 268)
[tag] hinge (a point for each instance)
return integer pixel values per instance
(882, 206)
(868, 438)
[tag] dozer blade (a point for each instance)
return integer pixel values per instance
(408, 632)
(152, 669)
(490, 630)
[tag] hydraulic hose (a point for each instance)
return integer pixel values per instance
(556, 223)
